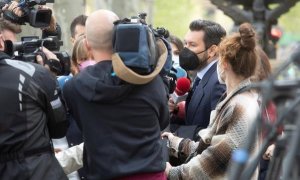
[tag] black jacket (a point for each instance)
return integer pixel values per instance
(121, 123)
(31, 113)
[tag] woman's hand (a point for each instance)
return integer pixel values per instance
(168, 168)
(173, 108)
(269, 152)
(167, 135)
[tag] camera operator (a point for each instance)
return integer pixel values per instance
(120, 122)
(33, 115)
(30, 48)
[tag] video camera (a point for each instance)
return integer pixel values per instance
(29, 48)
(35, 17)
(158, 32)
(135, 42)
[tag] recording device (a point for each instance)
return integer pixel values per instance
(35, 17)
(135, 43)
(159, 31)
(182, 87)
(29, 48)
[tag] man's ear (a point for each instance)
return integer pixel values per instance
(213, 51)
(88, 48)
(87, 45)
(72, 40)
(225, 65)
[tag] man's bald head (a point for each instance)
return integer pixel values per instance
(99, 29)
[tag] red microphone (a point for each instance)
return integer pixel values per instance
(181, 110)
(183, 85)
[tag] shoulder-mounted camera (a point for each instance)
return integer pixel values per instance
(29, 47)
(140, 52)
(35, 17)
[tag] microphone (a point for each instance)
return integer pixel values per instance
(182, 87)
(181, 110)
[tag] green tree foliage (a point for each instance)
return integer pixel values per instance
(174, 15)
(289, 23)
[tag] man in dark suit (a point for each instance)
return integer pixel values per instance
(200, 54)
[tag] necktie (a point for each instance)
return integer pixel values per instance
(196, 83)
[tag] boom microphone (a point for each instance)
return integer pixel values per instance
(182, 87)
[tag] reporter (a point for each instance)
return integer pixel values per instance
(232, 118)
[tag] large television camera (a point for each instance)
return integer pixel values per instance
(35, 17)
(135, 42)
(140, 51)
(29, 48)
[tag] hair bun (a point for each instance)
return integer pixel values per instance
(247, 33)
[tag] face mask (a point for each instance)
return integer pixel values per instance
(85, 64)
(220, 74)
(189, 60)
(175, 59)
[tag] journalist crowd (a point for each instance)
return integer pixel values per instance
(131, 102)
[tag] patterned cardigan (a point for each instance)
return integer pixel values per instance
(228, 130)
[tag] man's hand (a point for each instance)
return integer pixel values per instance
(49, 56)
(52, 25)
(173, 108)
(13, 6)
(167, 135)
(269, 152)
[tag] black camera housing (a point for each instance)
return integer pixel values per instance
(29, 48)
(35, 17)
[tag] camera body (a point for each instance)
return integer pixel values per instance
(35, 17)
(29, 48)
(135, 42)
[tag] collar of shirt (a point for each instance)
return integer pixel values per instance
(203, 71)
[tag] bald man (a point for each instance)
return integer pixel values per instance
(120, 122)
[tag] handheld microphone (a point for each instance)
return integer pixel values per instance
(181, 110)
(182, 87)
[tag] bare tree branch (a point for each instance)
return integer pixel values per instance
(238, 15)
(281, 9)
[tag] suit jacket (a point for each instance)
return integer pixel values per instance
(204, 99)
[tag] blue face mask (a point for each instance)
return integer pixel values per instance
(175, 59)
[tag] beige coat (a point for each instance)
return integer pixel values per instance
(228, 130)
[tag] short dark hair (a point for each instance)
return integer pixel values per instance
(175, 40)
(7, 25)
(79, 20)
(213, 32)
